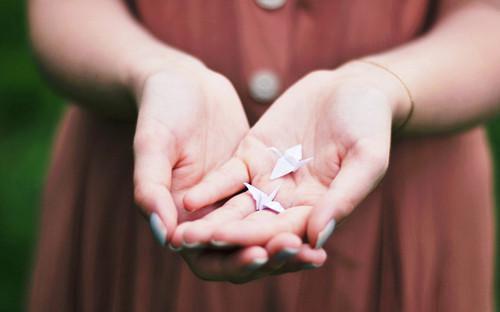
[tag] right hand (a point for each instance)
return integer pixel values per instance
(190, 120)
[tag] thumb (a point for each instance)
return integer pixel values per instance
(154, 151)
(360, 173)
(220, 183)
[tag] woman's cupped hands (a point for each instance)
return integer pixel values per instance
(194, 151)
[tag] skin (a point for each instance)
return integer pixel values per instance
(346, 126)
(343, 118)
(190, 120)
(181, 107)
(184, 130)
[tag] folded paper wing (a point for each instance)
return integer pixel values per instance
(282, 168)
(288, 162)
(256, 194)
(295, 152)
(263, 201)
(274, 206)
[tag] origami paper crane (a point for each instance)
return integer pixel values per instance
(289, 161)
(264, 201)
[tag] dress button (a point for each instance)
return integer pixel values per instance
(264, 86)
(270, 4)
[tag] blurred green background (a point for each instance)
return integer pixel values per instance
(28, 118)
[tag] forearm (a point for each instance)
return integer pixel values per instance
(453, 72)
(94, 52)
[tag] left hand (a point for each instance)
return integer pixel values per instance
(283, 253)
(342, 118)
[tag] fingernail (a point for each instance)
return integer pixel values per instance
(191, 245)
(173, 248)
(257, 263)
(325, 234)
(310, 266)
(285, 254)
(158, 228)
(217, 243)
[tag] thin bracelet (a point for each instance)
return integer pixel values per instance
(412, 103)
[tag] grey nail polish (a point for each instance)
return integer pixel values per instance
(173, 248)
(158, 228)
(191, 245)
(325, 234)
(310, 266)
(285, 254)
(219, 244)
(257, 263)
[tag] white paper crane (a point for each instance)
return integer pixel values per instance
(289, 161)
(264, 201)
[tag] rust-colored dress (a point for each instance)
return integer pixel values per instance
(422, 241)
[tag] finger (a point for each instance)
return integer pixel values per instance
(287, 253)
(259, 227)
(281, 242)
(217, 185)
(281, 249)
(176, 241)
(307, 258)
(200, 232)
(359, 174)
(153, 151)
(236, 266)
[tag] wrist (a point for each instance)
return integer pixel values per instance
(139, 69)
(377, 76)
